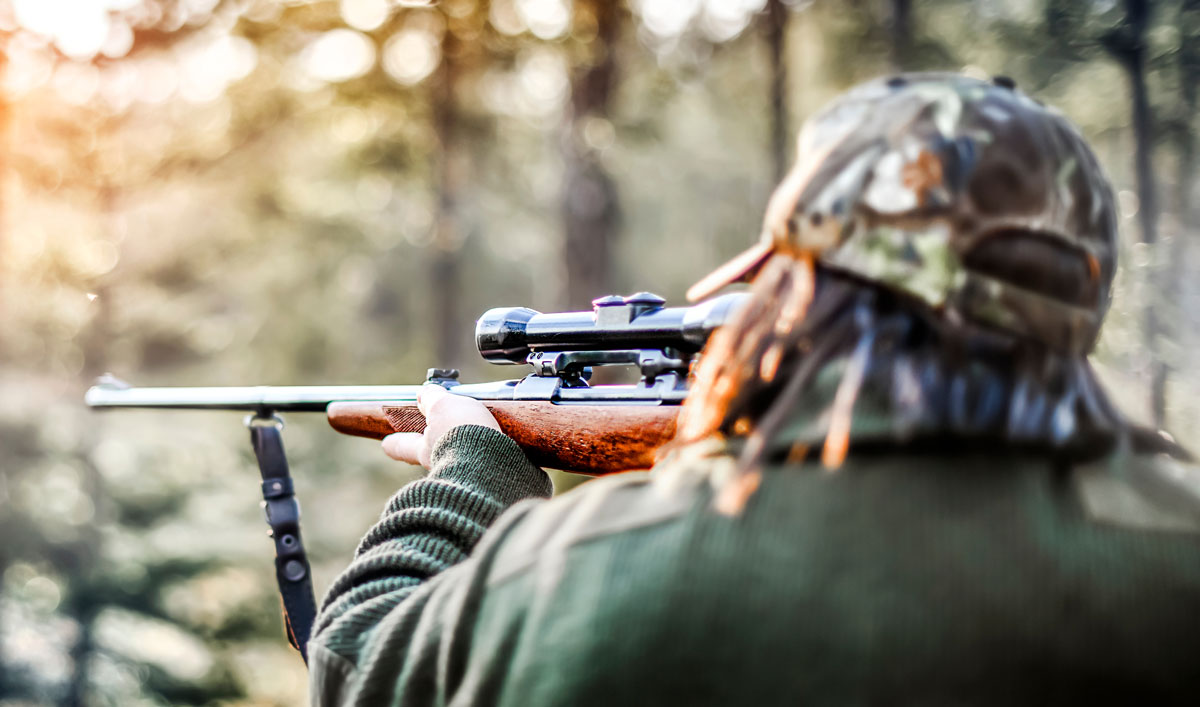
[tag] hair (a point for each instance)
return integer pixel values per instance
(941, 382)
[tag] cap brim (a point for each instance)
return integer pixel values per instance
(744, 265)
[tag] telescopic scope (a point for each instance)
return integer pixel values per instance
(510, 334)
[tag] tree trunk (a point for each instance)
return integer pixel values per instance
(776, 30)
(5, 681)
(1177, 253)
(82, 604)
(81, 653)
(1188, 66)
(443, 284)
(1128, 47)
(589, 199)
(900, 27)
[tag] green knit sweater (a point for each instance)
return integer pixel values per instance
(901, 578)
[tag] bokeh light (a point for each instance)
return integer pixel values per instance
(338, 55)
(668, 18)
(722, 20)
(78, 28)
(364, 15)
(546, 19)
(503, 15)
(410, 55)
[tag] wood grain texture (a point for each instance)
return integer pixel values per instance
(586, 439)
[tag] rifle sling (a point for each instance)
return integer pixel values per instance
(292, 571)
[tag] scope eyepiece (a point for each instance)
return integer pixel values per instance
(510, 334)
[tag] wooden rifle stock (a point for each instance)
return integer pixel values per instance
(585, 439)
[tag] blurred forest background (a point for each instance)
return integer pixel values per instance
(236, 192)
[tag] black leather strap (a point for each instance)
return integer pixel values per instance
(292, 571)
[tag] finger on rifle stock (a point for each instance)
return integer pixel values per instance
(404, 446)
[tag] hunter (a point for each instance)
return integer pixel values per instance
(897, 479)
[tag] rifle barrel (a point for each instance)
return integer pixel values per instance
(304, 398)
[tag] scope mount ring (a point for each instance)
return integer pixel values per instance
(571, 365)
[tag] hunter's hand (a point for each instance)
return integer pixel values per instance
(443, 412)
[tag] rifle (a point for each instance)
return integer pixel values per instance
(557, 417)
(553, 413)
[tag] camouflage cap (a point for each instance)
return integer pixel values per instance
(965, 194)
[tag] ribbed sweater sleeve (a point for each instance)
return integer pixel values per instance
(429, 526)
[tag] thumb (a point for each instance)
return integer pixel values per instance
(404, 446)
(429, 394)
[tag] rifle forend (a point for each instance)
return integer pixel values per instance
(554, 414)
